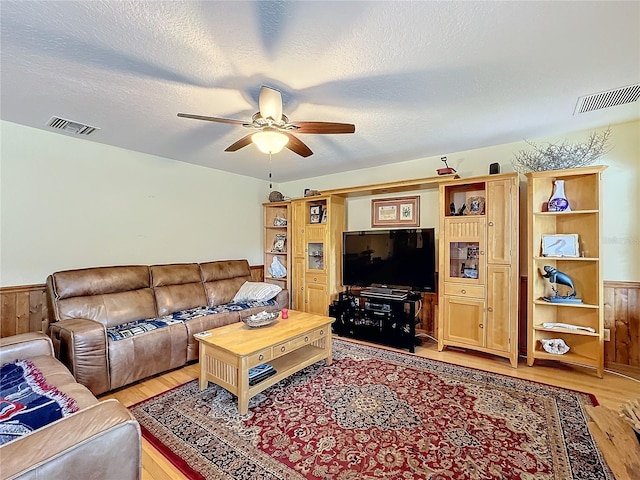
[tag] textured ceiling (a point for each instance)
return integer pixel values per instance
(418, 79)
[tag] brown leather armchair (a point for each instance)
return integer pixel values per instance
(101, 440)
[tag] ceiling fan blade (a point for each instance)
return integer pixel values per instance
(297, 146)
(324, 127)
(270, 103)
(243, 142)
(212, 119)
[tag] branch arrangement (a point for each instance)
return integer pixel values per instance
(552, 156)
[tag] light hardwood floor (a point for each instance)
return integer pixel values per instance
(611, 391)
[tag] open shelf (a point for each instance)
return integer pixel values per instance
(583, 272)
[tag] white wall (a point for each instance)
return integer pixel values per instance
(70, 203)
(621, 187)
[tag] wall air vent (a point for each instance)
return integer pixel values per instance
(70, 126)
(610, 98)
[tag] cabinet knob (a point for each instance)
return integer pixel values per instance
(481, 252)
(283, 348)
(490, 309)
(463, 291)
(490, 224)
(481, 326)
(261, 357)
(321, 332)
(306, 339)
(315, 279)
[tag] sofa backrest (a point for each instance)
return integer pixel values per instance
(223, 279)
(109, 295)
(177, 287)
(121, 294)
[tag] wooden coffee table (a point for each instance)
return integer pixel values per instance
(289, 345)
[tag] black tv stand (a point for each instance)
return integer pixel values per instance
(388, 320)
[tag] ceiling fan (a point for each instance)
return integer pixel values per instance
(273, 130)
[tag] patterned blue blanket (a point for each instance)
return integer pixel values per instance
(27, 402)
(130, 329)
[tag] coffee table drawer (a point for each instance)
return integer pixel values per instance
(300, 341)
(261, 356)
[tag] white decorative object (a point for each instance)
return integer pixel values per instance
(261, 319)
(557, 346)
(568, 326)
(277, 270)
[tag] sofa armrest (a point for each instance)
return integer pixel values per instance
(81, 345)
(282, 299)
(102, 438)
(24, 346)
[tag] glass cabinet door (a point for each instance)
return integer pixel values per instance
(315, 256)
(464, 259)
(464, 249)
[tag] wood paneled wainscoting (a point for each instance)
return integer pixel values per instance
(24, 309)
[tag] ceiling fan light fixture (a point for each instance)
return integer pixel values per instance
(270, 141)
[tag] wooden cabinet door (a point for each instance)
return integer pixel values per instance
(499, 302)
(317, 298)
(464, 320)
(298, 230)
(500, 227)
(297, 284)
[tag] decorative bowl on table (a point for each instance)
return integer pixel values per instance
(261, 319)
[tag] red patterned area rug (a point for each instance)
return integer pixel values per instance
(377, 414)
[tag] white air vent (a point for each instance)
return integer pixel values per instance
(70, 126)
(610, 98)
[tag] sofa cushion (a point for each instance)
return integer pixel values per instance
(257, 291)
(131, 329)
(100, 280)
(134, 358)
(222, 279)
(109, 309)
(177, 287)
(27, 401)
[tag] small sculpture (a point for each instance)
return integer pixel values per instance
(447, 170)
(556, 346)
(277, 270)
(556, 276)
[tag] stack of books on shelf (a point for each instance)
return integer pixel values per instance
(259, 373)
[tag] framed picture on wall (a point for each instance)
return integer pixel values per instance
(395, 212)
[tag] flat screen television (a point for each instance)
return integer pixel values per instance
(390, 258)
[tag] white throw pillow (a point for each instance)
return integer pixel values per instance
(257, 291)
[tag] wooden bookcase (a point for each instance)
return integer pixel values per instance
(277, 225)
(582, 188)
(478, 265)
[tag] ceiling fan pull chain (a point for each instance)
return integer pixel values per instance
(270, 184)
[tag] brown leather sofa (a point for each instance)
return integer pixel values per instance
(86, 305)
(100, 440)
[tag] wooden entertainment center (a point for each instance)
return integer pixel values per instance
(477, 265)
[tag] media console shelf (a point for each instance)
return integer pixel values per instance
(387, 321)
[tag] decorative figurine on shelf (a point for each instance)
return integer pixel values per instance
(447, 170)
(452, 208)
(557, 346)
(277, 270)
(556, 276)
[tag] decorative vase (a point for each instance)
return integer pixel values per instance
(558, 202)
